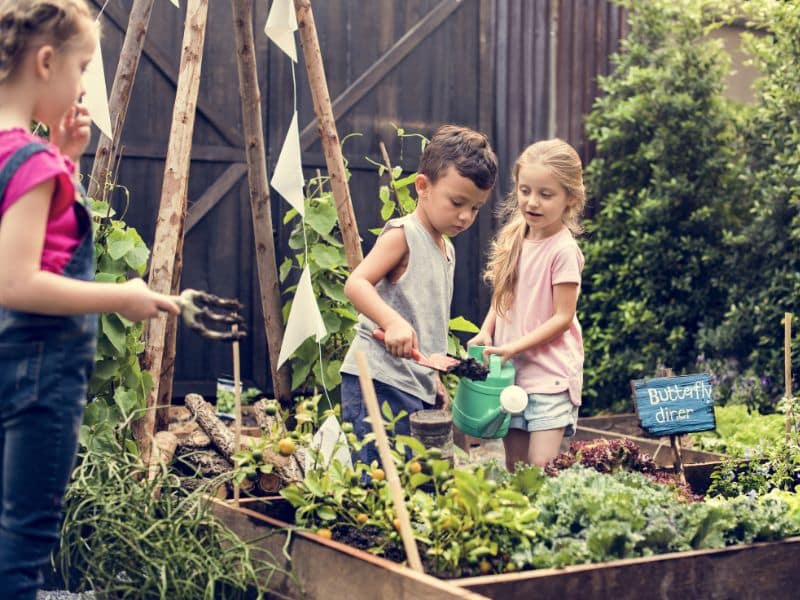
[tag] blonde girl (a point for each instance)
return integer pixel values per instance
(48, 299)
(535, 271)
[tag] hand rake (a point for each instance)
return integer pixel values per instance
(210, 315)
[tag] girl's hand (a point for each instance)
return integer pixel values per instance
(505, 352)
(72, 134)
(400, 338)
(143, 303)
(481, 339)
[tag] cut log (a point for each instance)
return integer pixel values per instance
(194, 440)
(205, 463)
(288, 469)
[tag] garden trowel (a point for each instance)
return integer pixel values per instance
(446, 363)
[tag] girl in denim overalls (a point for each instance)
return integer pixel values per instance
(48, 299)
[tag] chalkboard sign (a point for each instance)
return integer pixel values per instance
(674, 405)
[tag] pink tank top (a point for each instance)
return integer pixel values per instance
(62, 232)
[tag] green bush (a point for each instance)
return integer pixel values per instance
(764, 259)
(665, 182)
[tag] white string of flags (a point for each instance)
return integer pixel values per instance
(305, 319)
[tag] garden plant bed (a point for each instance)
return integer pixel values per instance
(698, 464)
(325, 568)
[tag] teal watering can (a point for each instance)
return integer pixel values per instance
(478, 409)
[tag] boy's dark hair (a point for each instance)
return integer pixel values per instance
(467, 150)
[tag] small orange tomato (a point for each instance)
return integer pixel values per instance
(286, 447)
(378, 474)
(362, 518)
(324, 532)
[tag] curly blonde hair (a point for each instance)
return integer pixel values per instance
(565, 165)
(23, 23)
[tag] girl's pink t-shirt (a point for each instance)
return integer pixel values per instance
(555, 366)
(63, 232)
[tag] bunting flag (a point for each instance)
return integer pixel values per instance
(281, 25)
(288, 176)
(175, 2)
(96, 99)
(304, 321)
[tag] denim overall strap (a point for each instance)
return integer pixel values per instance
(46, 362)
(15, 162)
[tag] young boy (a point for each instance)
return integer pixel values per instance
(405, 284)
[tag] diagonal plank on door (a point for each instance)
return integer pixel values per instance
(165, 65)
(383, 66)
(214, 194)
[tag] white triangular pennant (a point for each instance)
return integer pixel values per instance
(96, 99)
(304, 321)
(288, 176)
(281, 25)
(175, 2)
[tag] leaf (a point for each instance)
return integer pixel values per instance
(114, 331)
(386, 411)
(325, 256)
(120, 245)
(285, 269)
(127, 401)
(464, 325)
(321, 217)
(417, 447)
(136, 258)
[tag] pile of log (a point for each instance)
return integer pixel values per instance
(204, 446)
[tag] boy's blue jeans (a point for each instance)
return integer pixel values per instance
(354, 411)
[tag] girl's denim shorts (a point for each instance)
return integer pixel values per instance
(547, 411)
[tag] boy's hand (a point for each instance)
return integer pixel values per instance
(72, 134)
(481, 339)
(400, 338)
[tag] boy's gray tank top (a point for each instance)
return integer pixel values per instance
(422, 296)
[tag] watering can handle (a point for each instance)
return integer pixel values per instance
(495, 365)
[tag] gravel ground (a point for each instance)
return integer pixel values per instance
(62, 595)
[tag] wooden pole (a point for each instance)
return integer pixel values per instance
(107, 149)
(172, 211)
(392, 479)
(326, 124)
(787, 371)
(674, 440)
(237, 395)
(259, 193)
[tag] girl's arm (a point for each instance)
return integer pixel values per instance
(25, 287)
(385, 256)
(565, 302)
(485, 336)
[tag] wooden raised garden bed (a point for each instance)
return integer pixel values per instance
(328, 569)
(697, 464)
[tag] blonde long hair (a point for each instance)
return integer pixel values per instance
(565, 165)
(24, 22)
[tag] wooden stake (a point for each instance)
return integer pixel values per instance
(392, 479)
(259, 193)
(326, 124)
(237, 395)
(130, 54)
(172, 210)
(787, 371)
(674, 440)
